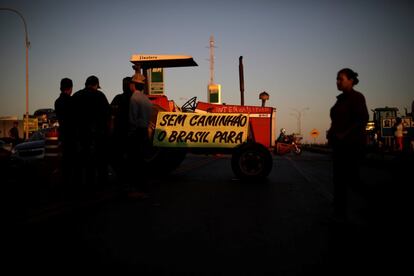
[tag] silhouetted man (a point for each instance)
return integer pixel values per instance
(14, 133)
(65, 115)
(92, 130)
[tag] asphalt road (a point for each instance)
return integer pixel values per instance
(200, 220)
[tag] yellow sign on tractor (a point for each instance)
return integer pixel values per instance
(213, 130)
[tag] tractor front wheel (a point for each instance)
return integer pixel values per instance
(251, 160)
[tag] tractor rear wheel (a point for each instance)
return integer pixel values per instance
(251, 160)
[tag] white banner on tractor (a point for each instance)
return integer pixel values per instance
(208, 130)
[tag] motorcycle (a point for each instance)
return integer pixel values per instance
(289, 143)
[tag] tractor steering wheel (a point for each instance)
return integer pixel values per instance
(190, 105)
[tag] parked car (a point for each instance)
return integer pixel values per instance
(33, 149)
(28, 151)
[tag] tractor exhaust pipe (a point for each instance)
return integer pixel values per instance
(241, 77)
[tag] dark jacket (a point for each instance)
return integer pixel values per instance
(64, 114)
(120, 114)
(349, 116)
(92, 114)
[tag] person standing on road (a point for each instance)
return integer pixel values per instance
(349, 117)
(64, 113)
(398, 134)
(412, 108)
(14, 133)
(119, 133)
(92, 130)
(412, 118)
(140, 111)
(282, 136)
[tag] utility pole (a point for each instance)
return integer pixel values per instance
(27, 67)
(298, 116)
(211, 59)
(213, 89)
(241, 80)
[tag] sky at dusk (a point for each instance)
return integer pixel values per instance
(291, 49)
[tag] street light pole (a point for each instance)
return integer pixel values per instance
(27, 67)
(298, 116)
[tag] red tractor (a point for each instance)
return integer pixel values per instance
(245, 132)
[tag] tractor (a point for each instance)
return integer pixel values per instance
(246, 132)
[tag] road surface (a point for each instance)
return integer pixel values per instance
(201, 220)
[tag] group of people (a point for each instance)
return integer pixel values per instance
(85, 133)
(95, 134)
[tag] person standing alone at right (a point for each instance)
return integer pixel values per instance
(346, 136)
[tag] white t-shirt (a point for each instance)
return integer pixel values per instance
(399, 130)
(140, 111)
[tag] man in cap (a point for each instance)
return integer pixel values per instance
(64, 112)
(140, 111)
(140, 107)
(92, 124)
